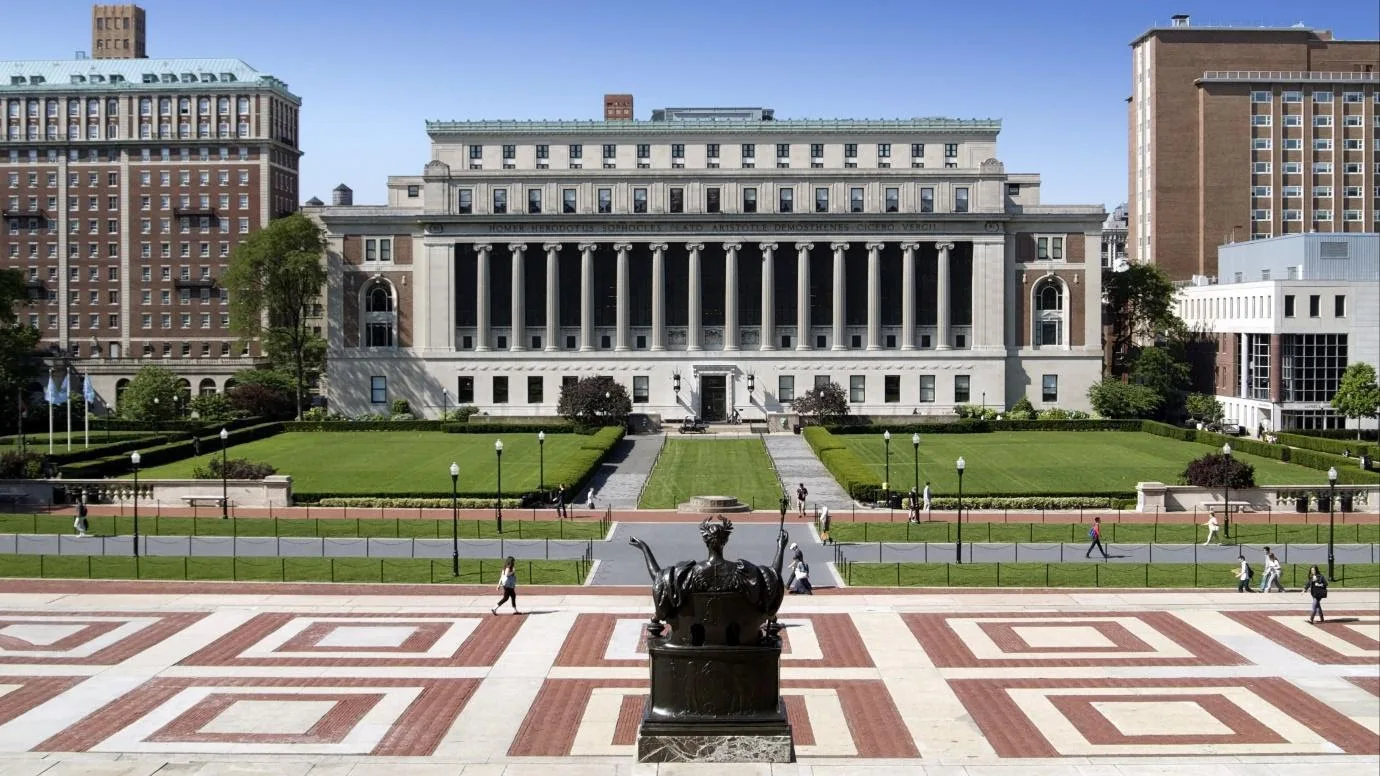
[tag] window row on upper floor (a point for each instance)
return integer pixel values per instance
(1316, 95)
(713, 155)
(165, 106)
(740, 199)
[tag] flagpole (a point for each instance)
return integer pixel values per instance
(86, 414)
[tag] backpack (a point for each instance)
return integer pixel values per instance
(1092, 533)
(1250, 572)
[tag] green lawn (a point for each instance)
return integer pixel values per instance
(1038, 462)
(405, 570)
(1212, 575)
(405, 528)
(712, 467)
(1138, 533)
(401, 462)
(78, 437)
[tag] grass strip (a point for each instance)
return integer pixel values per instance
(383, 528)
(1123, 575)
(1119, 533)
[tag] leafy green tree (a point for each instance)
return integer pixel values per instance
(1138, 306)
(152, 395)
(274, 277)
(595, 401)
(825, 403)
(19, 359)
(1117, 400)
(1159, 369)
(1021, 410)
(1215, 470)
(1204, 408)
(212, 407)
(1357, 394)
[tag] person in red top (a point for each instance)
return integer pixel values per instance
(1095, 534)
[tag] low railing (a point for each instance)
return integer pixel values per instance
(273, 491)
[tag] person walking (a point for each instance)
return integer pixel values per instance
(1095, 537)
(1271, 578)
(507, 582)
(914, 506)
(1317, 587)
(799, 573)
(80, 524)
(1243, 574)
(800, 494)
(925, 498)
(1211, 526)
(560, 502)
(589, 499)
(824, 521)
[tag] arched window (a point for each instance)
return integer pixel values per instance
(380, 316)
(1048, 326)
(207, 387)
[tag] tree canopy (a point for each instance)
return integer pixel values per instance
(19, 361)
(1357, 395)
(595, 401)
(152, 395)
(1138, 307)
(825, 403)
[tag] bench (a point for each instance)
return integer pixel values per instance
(13, 497)
(198, 500)
(1225, 506)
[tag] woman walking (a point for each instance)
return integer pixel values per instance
(1271, 578)
(1317, 586)
(507, 582)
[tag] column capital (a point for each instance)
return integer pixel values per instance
(517, 247)
(838, 246)
(944, 246)
(551, 247)
(588, 246)
(767, 246)
(622, 247)
(910, 246)
(483, 247)
(659, 247)
(733, 246)
(804, 246)
(876, 246)
(694, 246)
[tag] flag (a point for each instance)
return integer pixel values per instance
(88, 391)
(51, 391)
(65, 390)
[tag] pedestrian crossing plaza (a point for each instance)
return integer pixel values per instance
(131, 677)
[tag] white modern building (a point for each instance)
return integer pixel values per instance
(1288, 315)
(713, 260)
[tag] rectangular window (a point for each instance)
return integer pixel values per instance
(961, 392)
(476, 152)
(783, 150)
(605, 200)
(464, 391)
(610, 151)
(543, 152)
(822, 199)
(850, 150)
(749, 200)
(891, 389)
(1339, 306)
(917, 150)
(534, 201)
(855, 200)
(950, 150)
(749, 151)
(639, 200)
(711, 200)
(1049, 389)
(568, 200)
(785, 388)
(785, 200)
(711, 150)
(1289, 306)
(675, 201)
(857, 389)
(644, 151)
(378, 389)
(927, 200)
(926, 389)
(893, 200)
(509, 152)
(816, 150)
(500, 201)
(1260, 96)
(641, 389)
(1314, 306)
(500, 390)
(961, 199)
(534, 389)
(677, 150)
(576, 151)
(883, 150)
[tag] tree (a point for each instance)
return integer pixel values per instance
(258, 400)
(212, 407)
(595, 401)
(151, 396)
(1215, 470)
(1204, 408)
(824, 403)
(1138, 305)
(19, 360)
(1357, 395)
(1158, 369)
(274, 277)
(1021, 410)
(1115, 399)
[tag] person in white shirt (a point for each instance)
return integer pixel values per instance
(925, 498)
(1243, 576)
(1211, 525)
(1271, 578)
(824, 521)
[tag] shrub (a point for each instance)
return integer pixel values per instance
(1215, 470)
(262, 400)
(1331, 446)
(460, 414)
(975, 412)
(234, 469)
(212, 407)
(371, 502)
(400, 407)
(1115, 399)
(322, 415)
(1021, 410)
(1204, 407)
(153, 394)
(15, 465)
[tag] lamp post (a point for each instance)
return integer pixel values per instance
(1331, 515)
(443, 405)
(498, 502)
(1226, 491)
(134, 461)
(886, 485)
(915, 443)
(541, 461)
(454, 521)
(958, 545)
(224, 486)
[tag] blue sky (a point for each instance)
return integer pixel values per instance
(370, 73)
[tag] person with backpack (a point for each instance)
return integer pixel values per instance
(824, 521)
(1317, 587)
(1243, 575)
(800, 494)
(799, 573)
(1095, 540)
(507, 582)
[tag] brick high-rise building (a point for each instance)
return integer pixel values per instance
(1241, 133)
(618, 107)
(117, 32)
(128, 182)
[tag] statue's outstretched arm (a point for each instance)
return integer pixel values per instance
(781, 541)
(652, 567)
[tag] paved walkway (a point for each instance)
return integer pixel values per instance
(797, 463)
(622, 564)
(358, 680)
(622, 475)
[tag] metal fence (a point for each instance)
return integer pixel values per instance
(1138, 575)
(1023, 552)
(1124, 533)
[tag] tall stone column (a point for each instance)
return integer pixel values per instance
(768, 338)
(802, 295)
(518, 251)
(840, 287)
(481, 302)
(908, 295)
(942, 301)
(658, 296)
(731, 295)
(692, 339)
(587, 295)
(624, 332)
(874, 296)
(553, 296)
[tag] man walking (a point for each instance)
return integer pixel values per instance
(800, 494)
(1268, 582)
(1243, 575)
(560, 502)
(1095, 537)
(925, 497)
(1211, 525)
(914, 506)
(824, 521)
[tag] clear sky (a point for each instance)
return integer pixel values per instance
(370, 73)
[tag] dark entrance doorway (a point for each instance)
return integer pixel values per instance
(713, 398)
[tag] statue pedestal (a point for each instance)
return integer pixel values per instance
(715, 704)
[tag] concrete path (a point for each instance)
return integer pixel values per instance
(932, 552)
(622, 564)
(624, 472)
(797, 463)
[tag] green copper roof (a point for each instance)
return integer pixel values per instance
(713, 126)
(66, 75)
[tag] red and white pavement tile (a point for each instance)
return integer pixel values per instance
(373, 679)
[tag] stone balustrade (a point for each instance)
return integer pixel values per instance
(1157, 496)
(272, 491)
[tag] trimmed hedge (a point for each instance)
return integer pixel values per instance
(110, 449)
(973, 426)
(187, 426)
(119, 465)
(1325, 445)
(363, 425)
(848, 470)
(394, 502)
(1368, 434)
(554, 427)
(1348, 469)
(1094, 501)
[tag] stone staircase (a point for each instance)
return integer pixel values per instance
(795, 462)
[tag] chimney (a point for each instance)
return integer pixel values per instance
(342, 196)
(1178, 20)
(618, 107)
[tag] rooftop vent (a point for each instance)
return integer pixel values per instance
(36, 79)
(208, 77)
(189, 78)
(16, 80)
(116, 78)
(1333, 249)
(78, 79)
(227, 76)
(150, 78)
(1179, 20)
